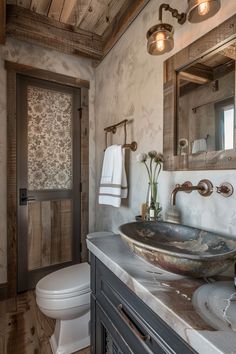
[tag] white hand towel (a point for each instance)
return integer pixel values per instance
(199, 145)
(113, 185)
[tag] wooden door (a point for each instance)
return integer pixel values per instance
(48, 178)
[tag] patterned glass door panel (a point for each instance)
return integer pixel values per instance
(49, 153)
(49, 139)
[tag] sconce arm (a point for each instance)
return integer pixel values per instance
(181, 17)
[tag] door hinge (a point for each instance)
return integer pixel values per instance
(81, 187)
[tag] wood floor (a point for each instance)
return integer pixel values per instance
(24, 329)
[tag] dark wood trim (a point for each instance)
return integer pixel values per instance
(11, 183)
(2, 21)
(213, 41)
(84, 126)
(41, 30)
(127, 14)
(46, 75)
(12, 71)
(3, 291)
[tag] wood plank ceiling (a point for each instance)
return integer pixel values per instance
(82, 27)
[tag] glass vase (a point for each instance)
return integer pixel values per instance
(153, 206)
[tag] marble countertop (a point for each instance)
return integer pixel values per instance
(170, 296)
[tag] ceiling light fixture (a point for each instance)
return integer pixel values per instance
(161, 36)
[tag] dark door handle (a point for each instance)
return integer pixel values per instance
(24, 198)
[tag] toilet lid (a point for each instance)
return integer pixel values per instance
(71, 281)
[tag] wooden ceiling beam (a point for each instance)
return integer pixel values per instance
(2, 21)
(40, 6)
(23, 3)
(67, 10)
(55, 9)
(100, 15)
(127, 14)
(34, 28)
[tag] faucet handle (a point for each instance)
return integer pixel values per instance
(187, 184)
(205, 187)
(225, 189)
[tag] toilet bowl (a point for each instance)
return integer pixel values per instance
(65, 296)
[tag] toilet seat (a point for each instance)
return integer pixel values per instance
(65, 283)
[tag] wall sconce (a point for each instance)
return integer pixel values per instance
(161, 36)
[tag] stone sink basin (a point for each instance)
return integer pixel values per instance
(216, 304)
(180, 249)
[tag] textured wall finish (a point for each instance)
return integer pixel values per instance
(129, 84)
(38, 57)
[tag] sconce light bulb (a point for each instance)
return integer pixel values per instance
(203, 8)
(160, 41)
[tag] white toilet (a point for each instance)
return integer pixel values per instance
(65, 296)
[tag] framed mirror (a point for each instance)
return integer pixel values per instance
(199, 103)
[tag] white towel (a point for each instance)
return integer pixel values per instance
(113, 185)
(199, 145)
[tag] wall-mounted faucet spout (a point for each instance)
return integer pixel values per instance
(204, 187)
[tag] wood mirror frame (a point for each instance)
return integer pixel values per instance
(212, 160)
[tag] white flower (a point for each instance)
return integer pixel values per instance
(142, 157)
(159, 158)
(152, 154)
(183, 143)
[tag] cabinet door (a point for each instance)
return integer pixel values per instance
(107, 339)
(143, 330)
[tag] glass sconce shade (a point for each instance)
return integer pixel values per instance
(160, 39)
(201, 10)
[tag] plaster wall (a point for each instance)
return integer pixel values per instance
(129, 84)
(38, 57)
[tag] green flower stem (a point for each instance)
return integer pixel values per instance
(157, 175)
(151, 170)
(154, 176)
(148, 172)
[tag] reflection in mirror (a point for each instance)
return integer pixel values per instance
(206, 104)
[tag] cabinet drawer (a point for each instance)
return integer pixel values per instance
(144, 330)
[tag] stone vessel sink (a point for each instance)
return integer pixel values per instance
(180, 249)
(216, 304)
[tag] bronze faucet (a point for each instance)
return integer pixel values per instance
(204, 187)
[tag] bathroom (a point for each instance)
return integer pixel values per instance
(126, 84)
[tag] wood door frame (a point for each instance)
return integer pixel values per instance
(12, 70)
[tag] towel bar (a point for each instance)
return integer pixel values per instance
(112, 129)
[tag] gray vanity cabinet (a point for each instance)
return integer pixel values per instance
(123, 324)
